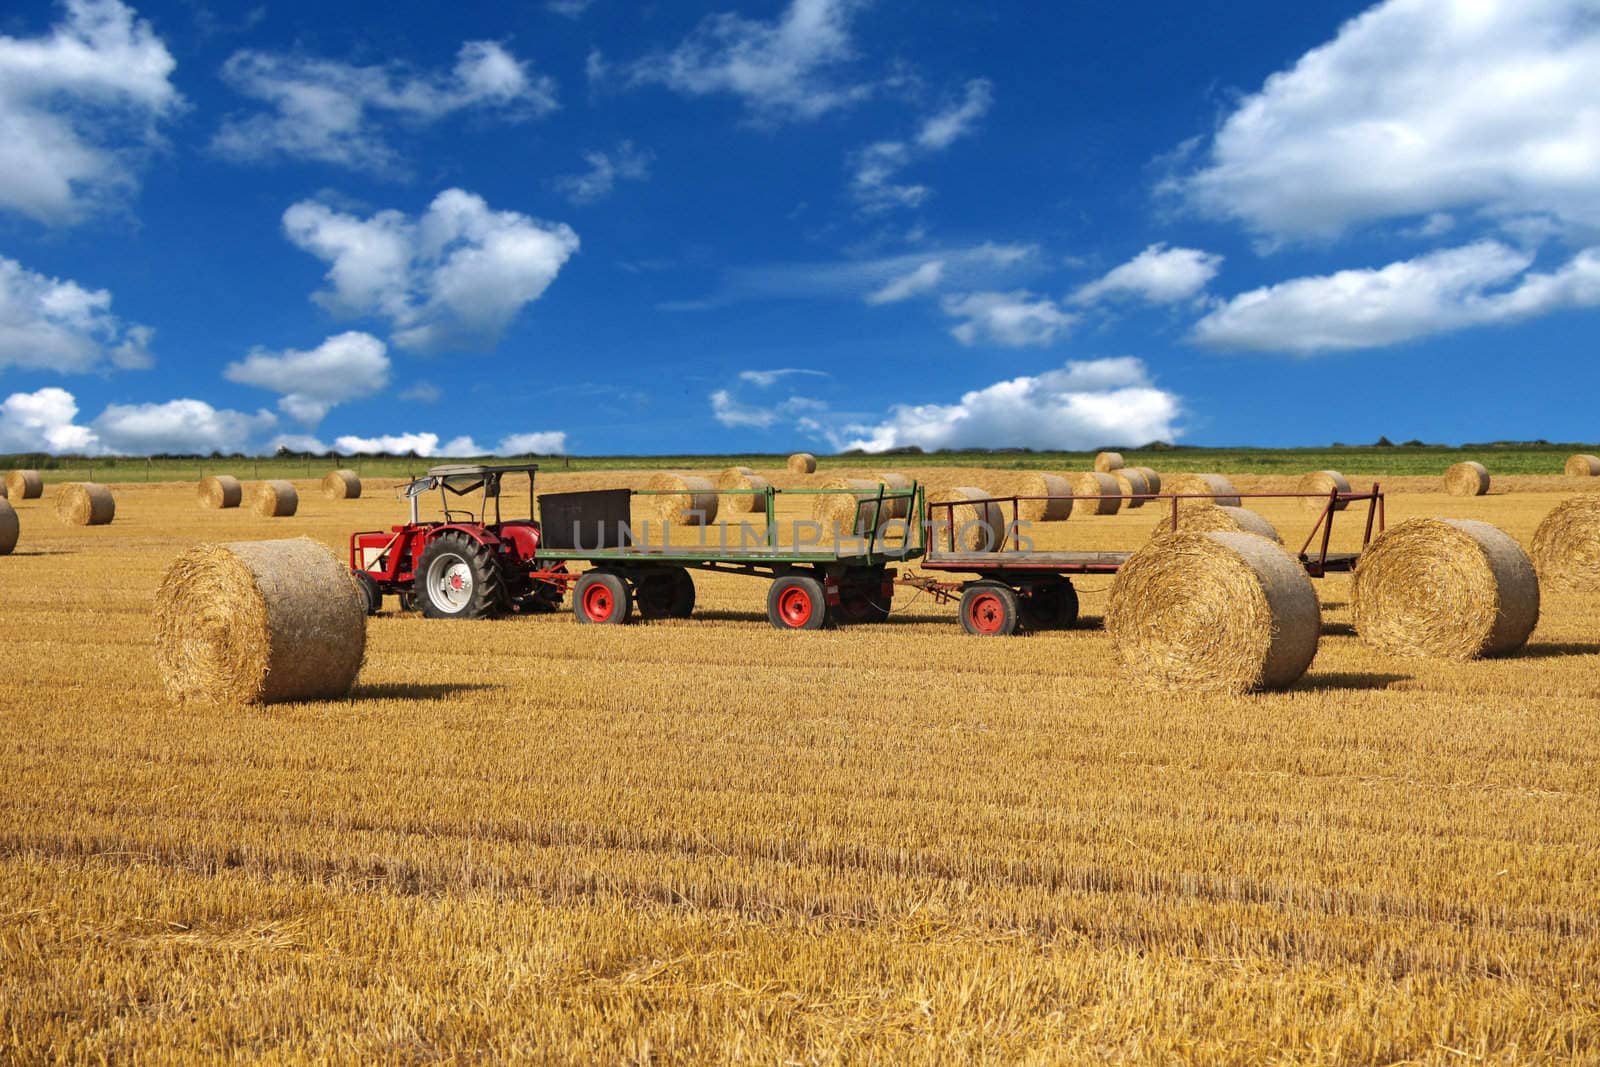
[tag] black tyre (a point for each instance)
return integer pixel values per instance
(370, 590)
(457, 578)
(862, 604)
(797, 602)
(990, 609)
(667, 594)
(602, 598)
(1050, 606)
(408, 600)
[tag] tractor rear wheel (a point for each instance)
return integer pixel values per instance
(797, 602)
(990, 609)
(458, 578)
(602, 597)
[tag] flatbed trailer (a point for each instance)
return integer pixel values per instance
(1013, 589)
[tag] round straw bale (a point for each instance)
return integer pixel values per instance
(1214, 485)
(24, 485)
(275, 499)
(978, 524)
(1106, 462)
(1096, 484)
(900, 506)
(1466, 479)
(1221, 612)
(850, 512)
(1453, 588)
(1566, 546)
(1323, 483)
(802, 463)
(10, 529)
(1206, 517)
(1036, 484)
(220, 491)
(1151, 478)
(341, 485)
(1583, 466)
(742, 478)
(258, 622)
(85, 504)
(1130, 483)
(685, 500)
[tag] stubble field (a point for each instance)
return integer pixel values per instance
(709, 840)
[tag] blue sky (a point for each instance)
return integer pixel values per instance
(599, 227)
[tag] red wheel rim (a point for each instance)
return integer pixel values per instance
(597, 603)
(794, 606)
(986, 613)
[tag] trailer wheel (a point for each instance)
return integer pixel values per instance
(797, 602)
(370, 590)
(667, 594)
(990, 609)
(458, 578)
(1050, 606)
(602, 597)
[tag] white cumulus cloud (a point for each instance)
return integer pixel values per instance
(452, 279)
(874, 181)
(1475, 285)
(941, 130)
(54, 324)
(78, 109)
(552, 442)
(1085, 404)
(1419, 107)
(1159, 274)
(1016, 319)
(344, 367)
(623, 163)
(787, 69)
(46, 421)
(924, 278)
(331, 112)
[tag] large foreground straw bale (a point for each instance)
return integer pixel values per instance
(742, 503)
(24, 485)
(1218, 612)
(259, 622)
(1206, 517)
(1323, 483)
(1214, 485)
(341, 485)
(1566, 546)
(220, 491)
(85, 504)
(1452, 588)
(1466, 479)
(1103, 487)
(1583, 466)
(1151, 478)
(685, 500)
(1106, 462)
(10, 529)
(802, 463)
(1131, 484)
(1036, 484)
(275, 499)
(976, 523)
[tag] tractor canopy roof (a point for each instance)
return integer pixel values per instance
(464, 478)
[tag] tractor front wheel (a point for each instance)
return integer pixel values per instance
(370, 590)
(458, 578)
(602, 597)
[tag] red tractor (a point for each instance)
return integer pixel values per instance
(466, 566)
